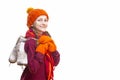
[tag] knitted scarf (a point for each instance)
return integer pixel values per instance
(46, 46)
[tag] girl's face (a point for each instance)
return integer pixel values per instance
(41, 23)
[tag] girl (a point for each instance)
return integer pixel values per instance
(41, 52)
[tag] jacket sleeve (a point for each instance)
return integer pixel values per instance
(56, 57)
(33, 64)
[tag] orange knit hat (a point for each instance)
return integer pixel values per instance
(33, 14)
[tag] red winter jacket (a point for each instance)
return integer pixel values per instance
(38, 63)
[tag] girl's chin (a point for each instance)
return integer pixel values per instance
(42, 30)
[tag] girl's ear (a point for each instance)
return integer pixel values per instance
(31, 25)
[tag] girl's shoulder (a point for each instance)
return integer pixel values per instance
(30, 33)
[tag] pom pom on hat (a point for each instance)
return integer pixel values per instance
(29, 9)
(33, 14)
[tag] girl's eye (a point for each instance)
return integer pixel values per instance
(39, 20)
(45, 20)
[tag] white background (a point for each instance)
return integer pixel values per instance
(86, 32)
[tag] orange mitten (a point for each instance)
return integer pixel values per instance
(45, 44)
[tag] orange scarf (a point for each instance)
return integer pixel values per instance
(46, 46)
